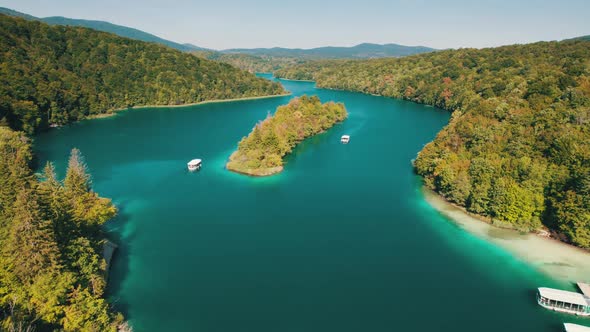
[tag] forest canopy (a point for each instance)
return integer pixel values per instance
(517, 148)
(53, 75)
(261, 152)
(251, 63)
(52, 273)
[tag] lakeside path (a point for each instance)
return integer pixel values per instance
(557, 259)
(213, 101)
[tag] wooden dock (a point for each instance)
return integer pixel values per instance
(575, 328)
(585, 288)
(108, 249)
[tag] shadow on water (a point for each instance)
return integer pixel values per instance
(119, 268)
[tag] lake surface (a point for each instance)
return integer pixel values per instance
(342, 240)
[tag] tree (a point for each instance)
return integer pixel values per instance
(77, 181)
(55, 205)
(31, 248)
(86, 313)
(574, 218)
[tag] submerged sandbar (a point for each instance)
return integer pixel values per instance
(557, 259)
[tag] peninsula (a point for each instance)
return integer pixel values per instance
(517, 147)
(261, 152)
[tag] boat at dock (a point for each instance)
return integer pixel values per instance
(564, 301)
(194, 165)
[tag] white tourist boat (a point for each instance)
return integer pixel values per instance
(345, 139)
(194, 165)
(564, 301)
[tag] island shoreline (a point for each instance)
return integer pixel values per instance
(252, 155)
(261, 175)
(277, 171)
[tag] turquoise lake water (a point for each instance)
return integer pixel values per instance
(342, 240)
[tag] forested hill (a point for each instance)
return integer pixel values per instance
(517, 148)
(12, 12)
(251, 63)
(56, 74)
(361, 51)
(273, 59)
(586, 38)
(119, 30)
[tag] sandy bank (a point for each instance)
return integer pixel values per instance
(259, 172)
(213, 101)
(557, 259)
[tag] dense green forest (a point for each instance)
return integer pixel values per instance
(52, 273)
(517, 148)
(251, 63)
(262, 151)
(269, 60)
(52, 75)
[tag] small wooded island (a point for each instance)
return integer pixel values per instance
(261, 152)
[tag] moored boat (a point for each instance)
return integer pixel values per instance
(564, 301)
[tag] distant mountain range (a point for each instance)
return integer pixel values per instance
(586, 38)
(119, 30)
(361, 51)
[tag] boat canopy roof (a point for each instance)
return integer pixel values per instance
(345, 136)
(584, 287)
(194, 162)
(569, 327)
(564, 296)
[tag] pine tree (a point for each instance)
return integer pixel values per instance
(86, 313)
(15, 156)
(77, 181)
(31, 246)
(55, 205)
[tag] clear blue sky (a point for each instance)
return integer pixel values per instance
(223, 24)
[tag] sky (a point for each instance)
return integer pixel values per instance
(222, 24)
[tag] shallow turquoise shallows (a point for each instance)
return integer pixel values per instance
(341, 241)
